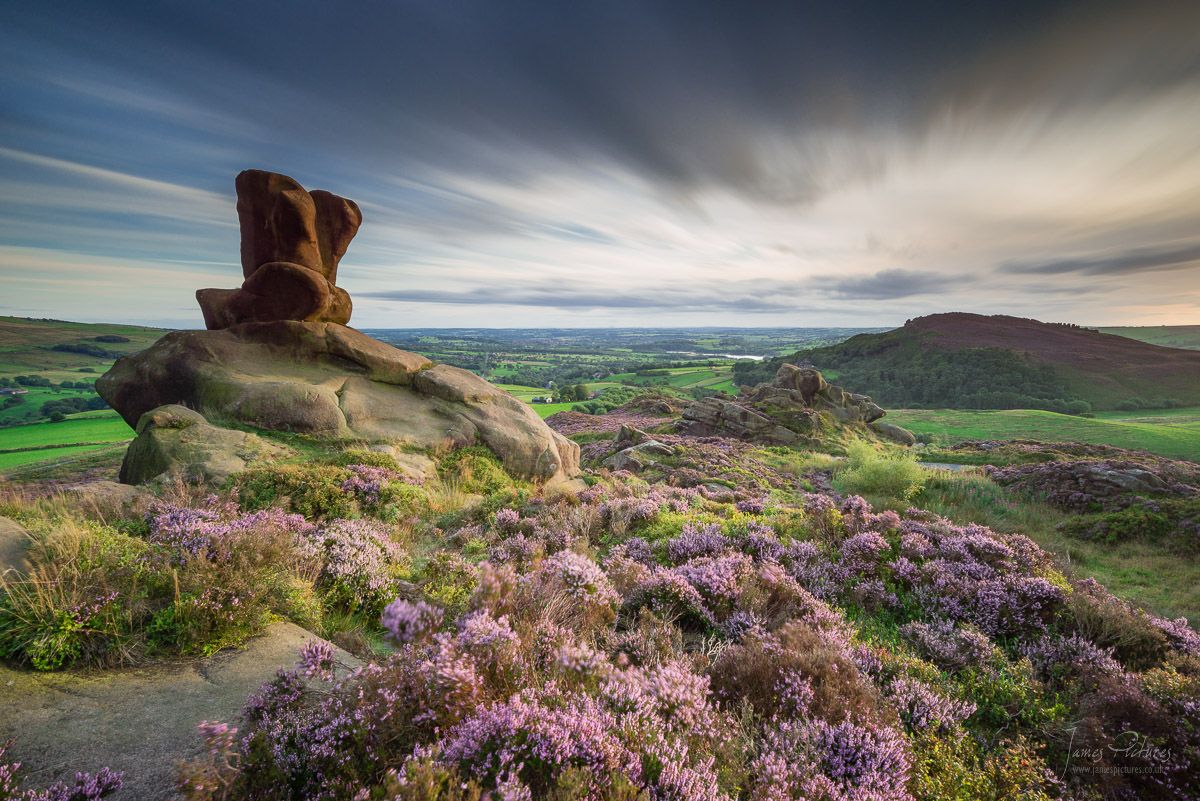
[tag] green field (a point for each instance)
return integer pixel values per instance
(47, 442)
(1174, 432)
(1170, 336)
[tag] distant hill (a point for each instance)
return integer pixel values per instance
(960, 360)
(1170, 336)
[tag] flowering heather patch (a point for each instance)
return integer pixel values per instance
(367, 482)
(696, 541)
(837, 762)
(360, 561)
(948, 646)
(570, 423)
(210, 530)
(408, 621)
(826, 651)
(506, 519)
(922, 708)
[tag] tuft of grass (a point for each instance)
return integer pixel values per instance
(890, 476)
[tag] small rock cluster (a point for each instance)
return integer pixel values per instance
(786, 411)
(1090, 485)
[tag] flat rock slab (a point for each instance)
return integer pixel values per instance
(141, 720)
(14, 540)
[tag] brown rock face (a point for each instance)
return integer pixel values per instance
(292, 242)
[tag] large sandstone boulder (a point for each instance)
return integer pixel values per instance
(784, 411)
(331, 381)
(173, 439)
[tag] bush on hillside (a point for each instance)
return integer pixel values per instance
(881, 474)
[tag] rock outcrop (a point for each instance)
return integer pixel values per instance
(277, 357)
(173, 439)
(1088, 485)
(292, 242)
(786, 411)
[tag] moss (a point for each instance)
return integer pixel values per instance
(476, 470)
(314, 491)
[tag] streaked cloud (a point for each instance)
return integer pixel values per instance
(621, 162)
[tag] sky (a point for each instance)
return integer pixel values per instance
(614, 163)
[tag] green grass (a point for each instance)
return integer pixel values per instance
(547, 409)
(1171, 336)
(55, 442)
(1177, 440)
(110, 428)
(22, 458)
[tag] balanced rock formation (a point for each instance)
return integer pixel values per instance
(292, 242)
(277, 360)
(788, 410)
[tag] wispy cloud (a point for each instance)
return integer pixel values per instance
(1139, 260)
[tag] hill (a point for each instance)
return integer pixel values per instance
(960, 360)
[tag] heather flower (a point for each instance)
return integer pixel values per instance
(1182, 636)
(752, 505)
(671, 596)
(693, 542)
(922, 708)
(1071, 656)
(739, 623)
(317, 660)
(360, 562)
(537, 741)
(517, 549)
(507, 519)
(834, 762)
(948, 646)
(274, 697)
(212, 530)
(717, 579)
(481, 633)
(636, 549)
(408, 621)
(580, 577)
(367, 482)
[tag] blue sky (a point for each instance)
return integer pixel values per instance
(616, 163)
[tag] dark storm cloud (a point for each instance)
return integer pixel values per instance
(678, 92)
(1118, 263)
(887, 284)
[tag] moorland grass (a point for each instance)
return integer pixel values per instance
(947, 426)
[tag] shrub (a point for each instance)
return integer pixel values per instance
(314, 491)
(476, 470)
(895, 475)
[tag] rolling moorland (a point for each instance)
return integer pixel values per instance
(792, 593)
